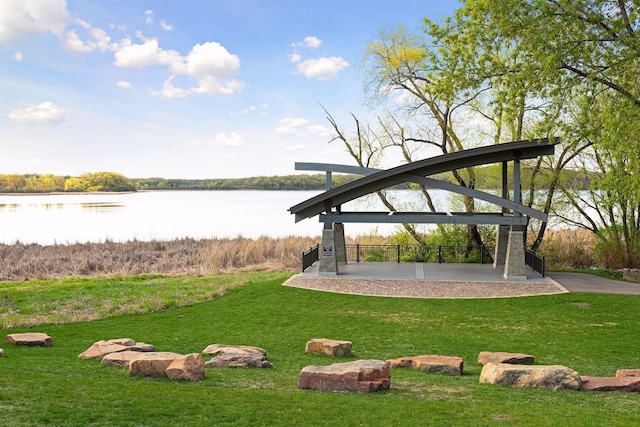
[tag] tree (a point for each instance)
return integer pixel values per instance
(589, 51)
(99, 181)
(449, 78)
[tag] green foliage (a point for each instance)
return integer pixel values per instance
(99, 181)
(52, 386)
(31, 183)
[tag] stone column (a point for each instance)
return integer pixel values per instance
(341, 247)
(328, 260)
(514, 266)
(502, 241)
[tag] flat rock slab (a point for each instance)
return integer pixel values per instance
(100, 349)
(485, 357)
(628, 373)
(328, 347)
(360, 376)
(122, 358)
(620, 384)
(34, 339)
(551, 377)
(239, 361)
(218, 349)
(189, 367)
(152, 364)
(451, 365)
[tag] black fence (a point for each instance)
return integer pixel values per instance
(422, 253)
(419, 253)
(534, 260)
(310, 256)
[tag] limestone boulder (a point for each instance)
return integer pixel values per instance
(127, 342)
(401, 362)
(551, 377)
(152, 364)
(142, 347)
(218, 349)
(485, 357)
(358, 376)
(239, 361)
(34, 339)
(189, 367)
(122, 358)
(450, 365)
(328, 347)
(100, 349)
(628, 373)
(620, 384)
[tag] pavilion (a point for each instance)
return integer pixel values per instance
(511, 220)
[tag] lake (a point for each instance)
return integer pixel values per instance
(161, 215)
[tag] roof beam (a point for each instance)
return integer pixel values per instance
(422, 218)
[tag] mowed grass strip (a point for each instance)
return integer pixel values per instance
(78, 299)
(594, 334)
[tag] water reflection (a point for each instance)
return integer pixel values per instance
(102, 206)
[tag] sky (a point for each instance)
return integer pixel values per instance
(190, 89)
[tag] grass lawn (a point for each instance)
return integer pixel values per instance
(593, 334)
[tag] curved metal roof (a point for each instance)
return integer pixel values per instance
(420, 169)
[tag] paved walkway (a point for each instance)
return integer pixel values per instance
(427, 280)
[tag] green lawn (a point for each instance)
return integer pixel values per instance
(593, 334)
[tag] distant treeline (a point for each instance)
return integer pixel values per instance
(114, 182)
(488, 177)
(286, 182)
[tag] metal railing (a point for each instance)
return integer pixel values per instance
(310, 256)
(419, 253)
(534, 260)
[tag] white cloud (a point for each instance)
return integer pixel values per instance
(124, 85)
(99, 39)
(322, 68)
(261, 109)
(170, 91)
(20, 17)
(165, 26)
(131, 55)
(46, 113)
(233, 140)
(291, 126)
(310, 42)
(17, 56)
(295, 57)
(298, 147)
(148, 14)
(210, 64)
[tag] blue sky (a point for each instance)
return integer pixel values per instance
(185, 88)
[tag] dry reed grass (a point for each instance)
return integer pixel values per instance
(182, 257)
(568, 249)
(179, 257)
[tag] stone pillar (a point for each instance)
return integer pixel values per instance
(341, 247)
(502, 241)
(514, 266)
(328, 260)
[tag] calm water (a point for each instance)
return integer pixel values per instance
(159, 215)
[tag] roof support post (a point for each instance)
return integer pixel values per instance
(505, 186)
